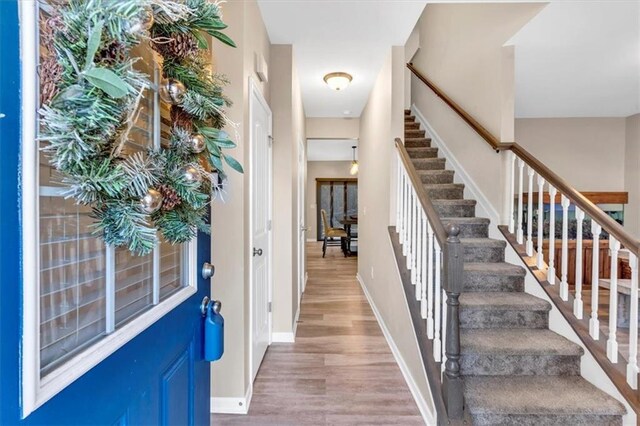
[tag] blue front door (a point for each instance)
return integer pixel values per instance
(157, 378)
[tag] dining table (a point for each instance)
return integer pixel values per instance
(348, 222)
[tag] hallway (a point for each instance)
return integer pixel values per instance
(340, 370)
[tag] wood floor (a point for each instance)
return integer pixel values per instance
(340, 370)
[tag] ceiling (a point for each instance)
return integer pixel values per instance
(579, 59)
(331, 149)
(353, 36)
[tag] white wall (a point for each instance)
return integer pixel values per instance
(632, 174)
(376, 261)
(320, 169)
(230, 218)
(288, 132)
(332, 128)
(462, 52)
(586, 152)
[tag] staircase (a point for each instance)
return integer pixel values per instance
(515, 370)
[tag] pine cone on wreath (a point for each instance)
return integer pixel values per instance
(182, 119)
(50, 75)
(181, 45)
(112, 54)
(170, 198)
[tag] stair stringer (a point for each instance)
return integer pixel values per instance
(472, 191)
(590, 369)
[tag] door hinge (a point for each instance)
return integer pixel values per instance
(269, 307)
(270, 141)
(269, 225)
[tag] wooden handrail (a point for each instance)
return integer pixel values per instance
(425, 201)
(594, 212)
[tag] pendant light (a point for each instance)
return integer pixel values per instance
(354, 163)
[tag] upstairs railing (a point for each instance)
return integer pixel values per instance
(620, 362)
(435, 258)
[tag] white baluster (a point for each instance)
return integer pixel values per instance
(407, 225)
(578, 307)
(418, 251)
(551, 272)
(398, 192)
(519, 232)
(564, 285)
(540, 259)
(530, 214)
(414, 202)
(512, 187)
(632, 366)
(612, 343)
(428, 313)
(437, 291)
(403, 229)
(594, 323)
(423, 274)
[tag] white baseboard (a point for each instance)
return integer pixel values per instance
(230, 405)
(469, 183)
(312, 240)
(288, 337)
(427, 416)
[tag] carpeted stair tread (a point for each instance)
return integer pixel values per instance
(465, 220)
(428, 163)
(498, 301)
(516, 342)
(483, 242)
(448, 191)
(436, 176)
(422, 152)
(537, 395)
(501, 268)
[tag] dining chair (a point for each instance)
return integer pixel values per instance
(331, 233)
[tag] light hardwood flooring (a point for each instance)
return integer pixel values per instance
(340, 370)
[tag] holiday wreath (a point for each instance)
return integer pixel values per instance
(90, 96)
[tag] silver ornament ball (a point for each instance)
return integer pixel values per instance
(197, 143)
(191, 174)
(151, 202)
(172, 91)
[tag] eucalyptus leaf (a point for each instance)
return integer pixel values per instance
(93, 43)
(202, 40)
(73, 91)
(210, 132)
(213, 148)
(107, 81)
(222, 37)
(216, 162)
(233, 163)
(225, 143)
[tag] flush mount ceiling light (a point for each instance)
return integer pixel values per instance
(354, 163)
(338, 80)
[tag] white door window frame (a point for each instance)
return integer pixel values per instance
(36, 390)
(256, 95)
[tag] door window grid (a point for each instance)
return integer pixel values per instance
(89, 290)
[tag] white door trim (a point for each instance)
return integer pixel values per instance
(255, 94)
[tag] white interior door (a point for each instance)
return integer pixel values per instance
(261, 189)
(302, 181)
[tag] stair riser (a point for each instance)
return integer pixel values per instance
(547, 420)
(523, 365)
(422, 152)
(445, 193)
(417, 143)
(414, 133)
(411, 125)
(483, 254)
(455, 210)
(471, 318)
(474, 282)
(444, 176)
(473, 230)
(428, 163)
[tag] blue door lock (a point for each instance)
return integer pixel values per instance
(213, 331)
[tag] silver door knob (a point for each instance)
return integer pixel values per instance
(304, 228)
(208, 270)
(257, 252)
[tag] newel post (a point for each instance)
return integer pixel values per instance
(453, 286)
